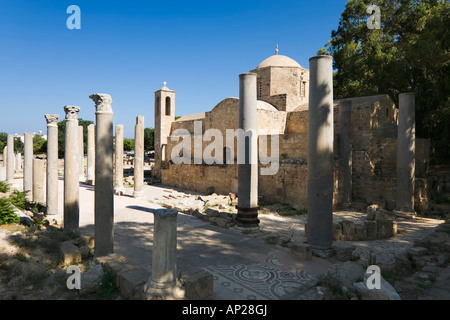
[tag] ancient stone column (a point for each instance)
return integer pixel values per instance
(118, 180)
(139, 158)
(345, 151)
(28, 165)
(320, 153)
(247, 216)
(18, 161)
(10, 158)
(71, 170)
(162, 283)
(39, 181)
(81, 152)
(52, 163)
(104, 175)
(90, 171)
(406, 153)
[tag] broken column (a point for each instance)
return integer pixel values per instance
(104, 179)
(320, 153)
(118, 175)
(10, 159)
(247, 216)
(71, 170)
(52, 163)
(90, 171)
(81, 152)
(345, 151)
(163, 281)
(406, 154)
(28, 165)
(39, 181)
(139, 158)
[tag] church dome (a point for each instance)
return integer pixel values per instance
(279, 60)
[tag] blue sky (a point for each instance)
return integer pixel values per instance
(128, 48)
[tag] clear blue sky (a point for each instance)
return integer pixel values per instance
(128, 48)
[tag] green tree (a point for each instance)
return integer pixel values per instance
(410, 52)
(39, 144)
(3, 140)
(62, 130)
(128, 144)
(149, 134)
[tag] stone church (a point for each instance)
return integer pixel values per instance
(282, 107)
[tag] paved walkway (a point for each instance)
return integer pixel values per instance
(244, 267)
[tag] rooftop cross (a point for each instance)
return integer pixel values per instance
(164, 83)
(276, 50)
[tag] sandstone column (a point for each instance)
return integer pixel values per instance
(10, 159)
(52, 163)
(345, 151)
(139, 158)
(28, 165)
(320, 153)
(39, 181)
(247, 216)
(90, 174)
(104, 179)
(406, 153)
(71, 170)
(118, 183)
(162, 283)
(81, 152)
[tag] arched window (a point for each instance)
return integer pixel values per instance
(167, 106)
(157, 106)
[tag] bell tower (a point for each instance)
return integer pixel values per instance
(164, 116)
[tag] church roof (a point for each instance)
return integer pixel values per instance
(279, 60)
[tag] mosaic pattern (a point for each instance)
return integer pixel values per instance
(260, 282)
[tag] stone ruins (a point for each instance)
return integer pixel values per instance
(358, 153)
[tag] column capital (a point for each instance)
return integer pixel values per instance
(52, 119)
(71, 112)
(102, 102)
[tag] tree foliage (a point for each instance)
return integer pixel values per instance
(410, 52)
(62, 130)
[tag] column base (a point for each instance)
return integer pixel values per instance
(119, 191)
(138, 194)
(247, 219)
(321, 253)
(157, 291)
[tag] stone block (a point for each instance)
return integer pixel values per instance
(301, 251)
(212, 212)
(337, 232)
(70, 252)
(198, 284)
(343, 251)
(360, 232)
(348, 230)
(371, 229)
(386, 228)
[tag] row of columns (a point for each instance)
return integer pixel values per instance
(320, 180)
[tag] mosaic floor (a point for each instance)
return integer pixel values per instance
(269, 281)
